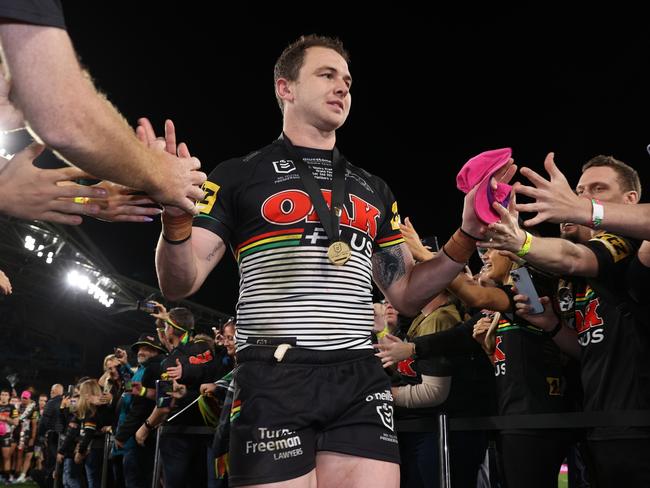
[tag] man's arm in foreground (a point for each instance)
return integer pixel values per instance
(551, 254)
(407, 286)
(182, 268)
(64, 109)
(556, 202)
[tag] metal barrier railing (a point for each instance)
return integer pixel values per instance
(173, 429)
(444, 424)
(108, 444)
(566, 420)
(443, 443)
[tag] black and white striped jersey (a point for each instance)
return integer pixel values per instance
(289, 290)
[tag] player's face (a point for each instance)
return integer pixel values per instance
(4, 397)
(321, 94)
(601, 183)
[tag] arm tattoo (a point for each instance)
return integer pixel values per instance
(214, 252)
(388, 266)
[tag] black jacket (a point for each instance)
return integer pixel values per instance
(52, 418)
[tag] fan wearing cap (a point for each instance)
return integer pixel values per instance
(136, 406)
(189, 363)
(25, 434)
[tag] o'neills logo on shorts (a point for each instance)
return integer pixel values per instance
(283, 443)
(380, 396)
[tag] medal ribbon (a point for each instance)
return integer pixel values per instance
(329, 218)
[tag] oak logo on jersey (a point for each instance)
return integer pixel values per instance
(588, 322)
(617, 247)
(284, 166)
(290, 206)
(210, 189)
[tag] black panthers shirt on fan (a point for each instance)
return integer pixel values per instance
(527, 368)
(289, 290)
(615, 356)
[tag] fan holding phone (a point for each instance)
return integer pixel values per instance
(524, 285)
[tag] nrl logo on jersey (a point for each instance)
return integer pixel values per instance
(284, 166)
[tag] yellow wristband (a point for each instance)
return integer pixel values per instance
(143, 391)
(525, 248)
(383, 332)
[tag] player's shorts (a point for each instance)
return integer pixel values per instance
(23, 443)
(6, 440)
(284, 412)
(27, 448)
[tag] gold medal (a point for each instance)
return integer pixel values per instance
(339, 253)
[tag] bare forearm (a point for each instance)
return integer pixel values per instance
(158, 416)
(476, 296)
(64, 109)
(628, 220)
(176, 269)
(433, 391)
(644, 253)
(562, 257)
(425, 281)
(182, 268)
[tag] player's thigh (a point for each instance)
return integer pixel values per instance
(334, 470)
(305, 481)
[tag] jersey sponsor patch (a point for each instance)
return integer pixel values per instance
(210, 189)
(395, 220)
(289, 207)
(617, 247)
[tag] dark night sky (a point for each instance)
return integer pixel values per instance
(428, 94)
